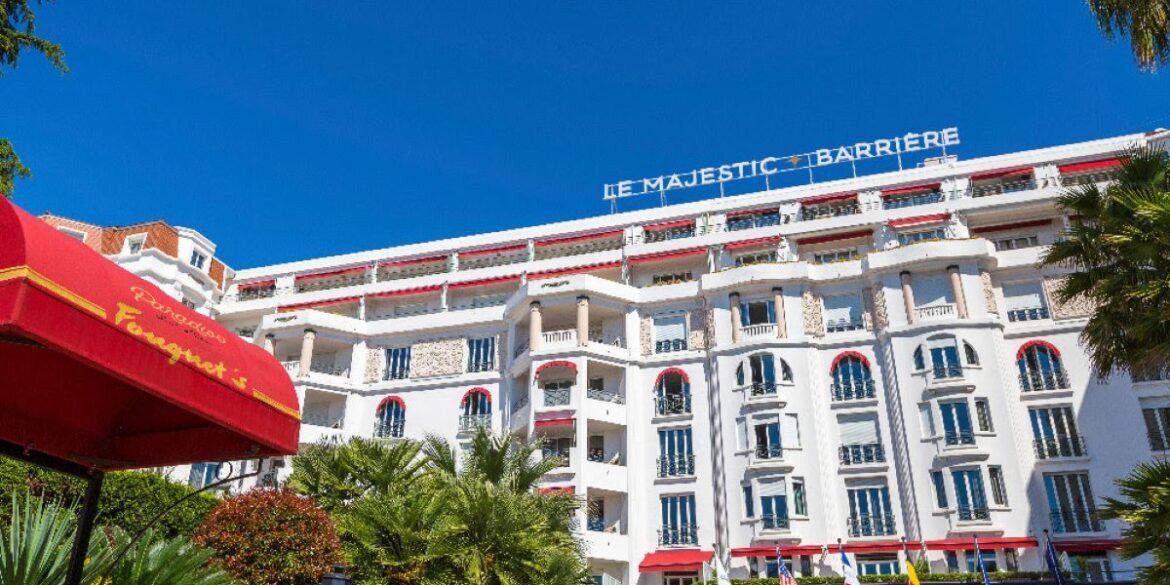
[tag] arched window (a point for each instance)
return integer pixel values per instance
(970, 355)
(477, 410)
(944, 357)
(390, 418)
(852, 379)
(919, 361)
(1040, 367)
(757, 374)
(672, 392)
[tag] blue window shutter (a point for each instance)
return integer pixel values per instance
(769, 368)
(771, 311)
(743, 314)
(739, 375)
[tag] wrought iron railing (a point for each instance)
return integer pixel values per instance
(1088, 178)
(973, 513)
(389, 429)
(557, 396)
(669, 345)
(604, 396)
(946, 371)
(959, 438)
(681, 535)
(872, 525)
(761, 389)
(1076, 520)
(472, 422)
(520, 403)
(1030, 314)
(769, 452)
(676, 466)
(774, 522)
(1055, 379)
(853, 390)
(862, 454)
(1002, 188)
(653, 236)
(812, 212)
(672, 404)
(912, 200)
(1056, 447)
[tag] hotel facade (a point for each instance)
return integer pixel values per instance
(846, 365)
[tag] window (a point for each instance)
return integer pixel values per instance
(762, 370)
(198, 259)
(1157, 428)
(749, 505)
(134, 244)
(752, 220)
(774, 505)
(908, 238)
(766, 432)
(670, 334)
(843, 313)
(190, 304)
(852, 379)
(1024, 301)
(560, 448)
(831, 256)
(1071, 503)
(944, 357)
(970, 499)
(998, 489)
(1054, 433)
(952, 558)
(676, 457)
(799, 501)
(768, 257)
(77, 235)
(397, 363)
(477, 402)
(931, 292)
(1040, 367)
(390, 418)
(772, 567)
(678, 521)
(878, 564)
(203, 475)
(870, 513)
(910, 197)
(672, 278)
(1016, 242)
(956, 419)
(859, 439)
(969, 353)
(672, 393)
(1091, 567)
(481, 354)
(983, 415)
(989, 561)
(940, 490)
(757, 313)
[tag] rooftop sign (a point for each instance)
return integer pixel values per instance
(772, 165)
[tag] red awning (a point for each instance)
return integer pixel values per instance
(556, 489)
(332, 273)
(1089, 166)
(557, 364)
(115, 374)
(553, 422)
(751, 243)
(926, 188)
(919, 219)
(577, 270)
(497, 250)
(484, 282)
(1037, 343)
(257, 284)
(1093, 545)
(746, 212)
(391, 399)
(1003, 227)
(1002, 173)
(830, 198)
(664, 561)
(847, 354)
(666, 255)
(984, 543)
(834, 237)
(318, 304)
(412, 261)
(669, 224)
(406, 292)
(876, 546)
(580, 238)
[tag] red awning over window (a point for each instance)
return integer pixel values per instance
(669, 224)
(1037, 343)
(926, 188)
(497, 250)
(849, 354)
(665, 561)
(1003, 227)
(580, 238)
(1093, 545)
(1002, 174)
(830, 198)
(751, 243)
(545, 423)
(666, 256)
(318, 304)
(1089, 166)
(412, 262)
(557, 364)
(577, 270)
(919, 219)
(115, 374)
(406, 292)
(331, 273)
(257, 284)
(559, 489)
(834, 237)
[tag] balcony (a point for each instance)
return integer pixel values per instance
(1040, 381)
(767, 330)
(604, 396)
(760, 390)
(767, 456)
(672, 404)
(670, 345)
(519, 404)
(959, 438)
(595, 524)
(562, 454)
(557, 397)
(912, 200)
(934, 312)
(811, 212)
(773, 522)
(322, 418)
(844, 325)
(991, 189)
(389, 429)
(853, 390)
(1076, 521)
(563, 338)
(947, 377)
(676, 466)
(679, 233)
(974, 514)
(1031, 314)
(862, 454)
(1059, 447)
(866, 525)
(683, 535)
(469, 423)
(331, 283)
(1091, 178)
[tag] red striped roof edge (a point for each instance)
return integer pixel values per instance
(484, 281)
(896, 546)
(834, 237)
(669, 224)
(749, 243)
(316, 304)
(257, 284)
(1000, 173)
(925, 187)
(666, 255)
(576, 270)
(1003, 227)
(332, 273)
(828, 198)
(579, 238)
(743, 212)
(919, 219)
(412, 261)
(554, 422)
(495, 250)
(1089, 166)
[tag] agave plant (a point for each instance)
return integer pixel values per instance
(155, 561)
(35, 548)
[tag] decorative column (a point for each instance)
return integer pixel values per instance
(582, 320)
(908, 296)
(736, 319)
(535, 327)
(957, 290)
(778, 303)
(306, 353)
(270, 343)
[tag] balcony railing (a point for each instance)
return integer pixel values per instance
(761, 389)
(669, 345)
(853, 390)
(971, 514)
(760, 330)
(774, 522)
(651, 237)
(867, 525)
(481, 366)
(934, 312)
(391, 429)
(1076, 520)
(862, 454)
(519, 404)
(946, 371)
(1032, 314)
(912, 200)
(1039, 381)
(1088, 178)
(604, 396)
(330, 283)
(822, 211)
(1159, 442)
(1057, 447)
(520, 349)
(769, 452)
(557, 396)
(557, 453)
(561, 337)
(1002, 188)
(959, 438)
(844, 325)
(672, 404)
(251, 294)
(473, 422)
(682, 535)
(322, 419)
(676, 466)
(748, 222)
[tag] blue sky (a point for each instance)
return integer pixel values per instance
(292, 129)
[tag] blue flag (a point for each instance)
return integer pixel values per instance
(982, 567)
(1053, 564)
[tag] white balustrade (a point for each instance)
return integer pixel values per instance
(935, 312)
(760, 330)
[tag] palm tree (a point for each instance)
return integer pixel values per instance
(154, 560)
(1147, 22)
(1145, 506)
(499, 460)
(336, 476)
(1118, 243)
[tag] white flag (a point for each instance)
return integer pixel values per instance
(848, 570)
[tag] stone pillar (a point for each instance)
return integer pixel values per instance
(270, 344)
(908, 297)
(582, 320)
(778, 302)
(535, 327)
(306, 352)
(957, 290)
(736, 319)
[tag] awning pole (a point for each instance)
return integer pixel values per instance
(89, 510)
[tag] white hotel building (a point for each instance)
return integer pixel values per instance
(850, 364)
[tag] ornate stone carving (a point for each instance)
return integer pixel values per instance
(1074, 308)
(881, 316)
(867, 308)
(814, 321)
(988, 292)
(441, 357)
(699, 320)
(375, 363)
(645, 331)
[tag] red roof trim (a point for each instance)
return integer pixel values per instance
(925, 187)
(556, 364)
(1095, 545)
(577, 270)
(1089, 166)
(579, 238)
(956, 544)
(484, 281)
(669, 224)
(473, 391)
(834, 237)
(556, 489)
(662, 561)
(405, 292)
(257, 284)
(831, 197)
(663, 373)
(666, 255)
(496, 250)
(427, 260)
(750, 243)
(847, 354)
(1034, 343)
(998, 174)
(746, 212)
(330, 274)
(388, 400)
(919, 219)
(1003, 227)
(316, 304)
(554, 422)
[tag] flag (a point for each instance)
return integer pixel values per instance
(785, 575)
(911, 574)
(848, 571)
(1053, 564)
(982, 567)
(721, 576)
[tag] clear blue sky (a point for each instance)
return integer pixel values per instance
(288, 129)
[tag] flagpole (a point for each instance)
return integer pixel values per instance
(1044, 565)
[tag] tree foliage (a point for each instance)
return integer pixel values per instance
(11, 168)
(1146, 22)
(271, 537)
(1145, 506)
